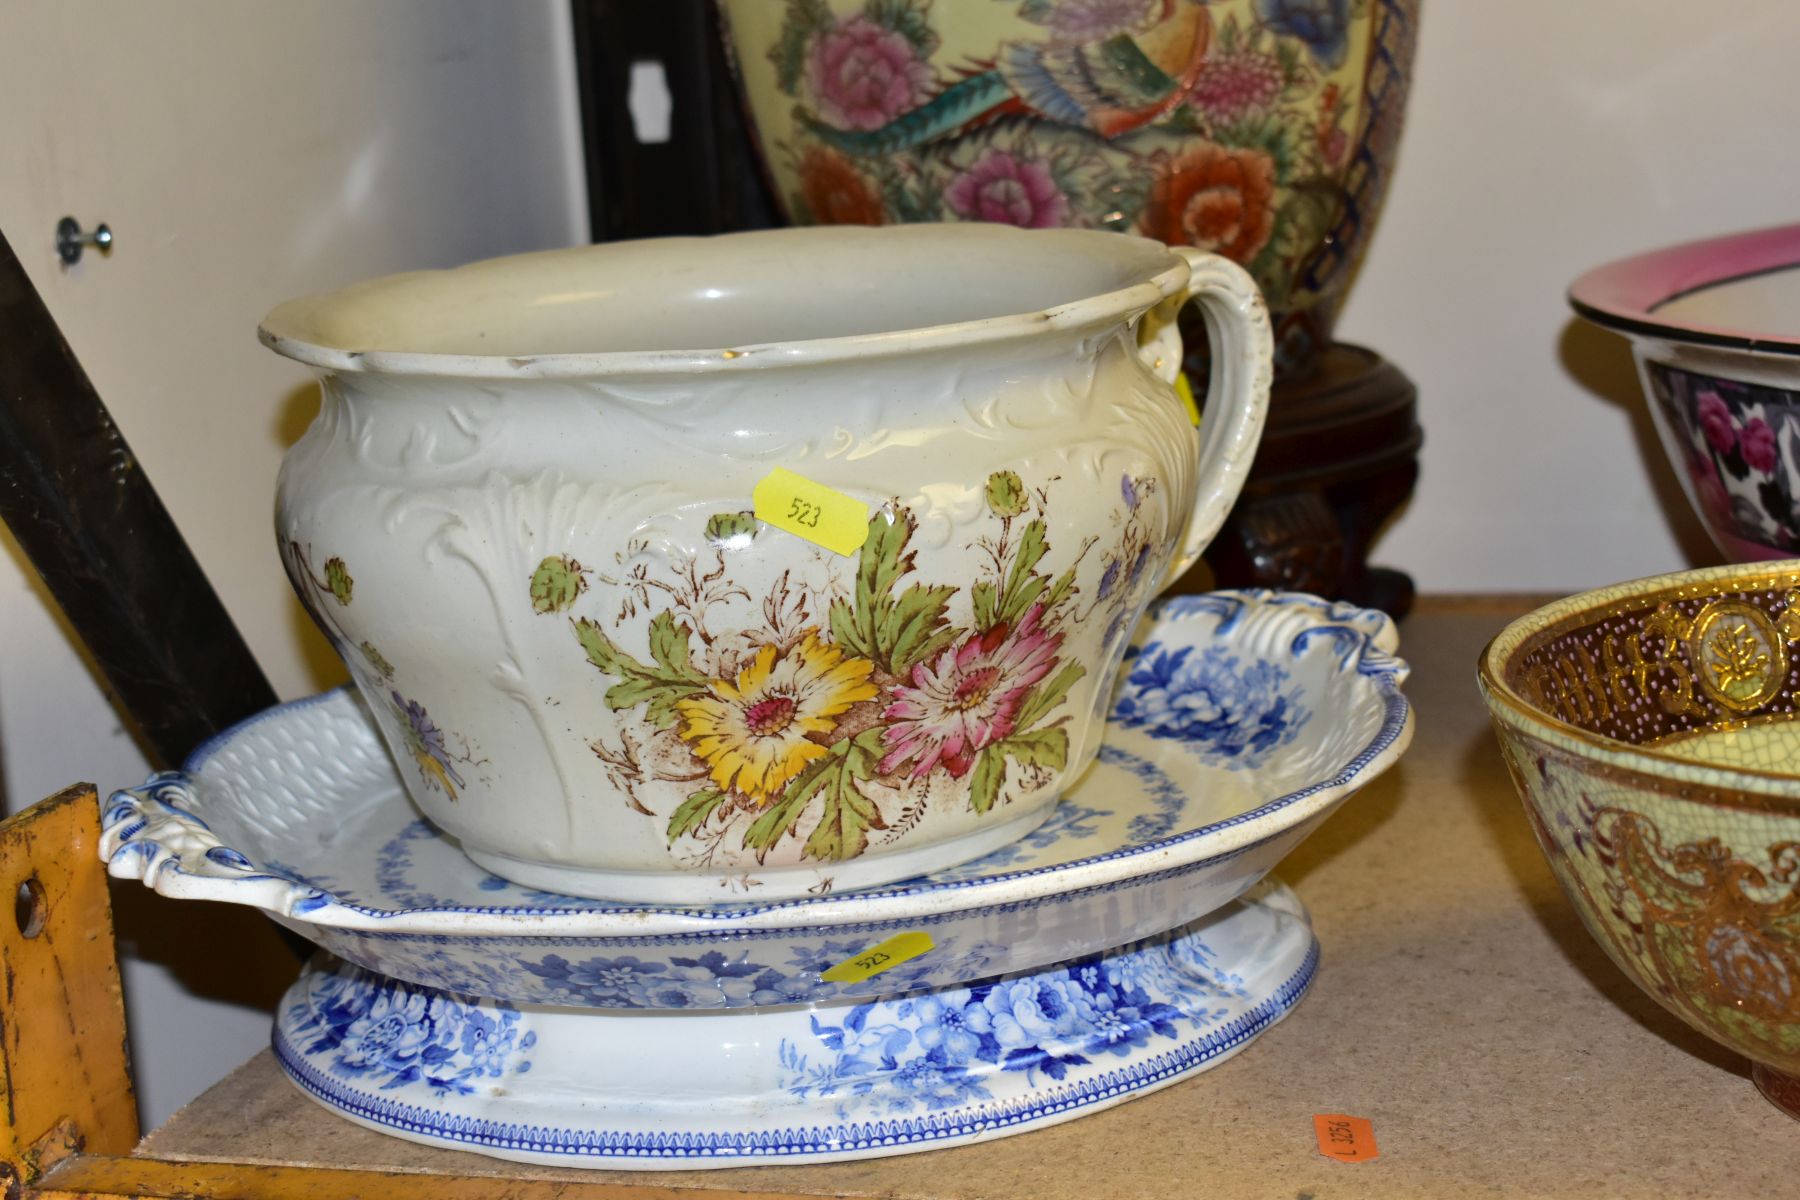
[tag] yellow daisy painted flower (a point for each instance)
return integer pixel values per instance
(752, 732)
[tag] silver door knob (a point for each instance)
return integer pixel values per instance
(71, 239)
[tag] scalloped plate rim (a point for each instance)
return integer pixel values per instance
(1233, 835)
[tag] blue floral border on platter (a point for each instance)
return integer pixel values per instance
(1358, 650)
(801, 1143)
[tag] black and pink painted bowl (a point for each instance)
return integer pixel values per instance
(1715, 328)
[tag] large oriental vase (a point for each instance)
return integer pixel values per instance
(1262, 130)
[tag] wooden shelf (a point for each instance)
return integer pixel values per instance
(1460, 1006)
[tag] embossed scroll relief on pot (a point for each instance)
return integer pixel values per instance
(688, 570)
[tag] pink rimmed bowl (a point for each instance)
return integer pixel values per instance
(1715, 328)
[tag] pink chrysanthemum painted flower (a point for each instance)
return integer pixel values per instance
(968, 698)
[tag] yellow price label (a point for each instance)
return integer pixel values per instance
(902, 947)
(824, 516)
(1185, 390)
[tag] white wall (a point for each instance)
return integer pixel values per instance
(242, 153)
(1545, 137)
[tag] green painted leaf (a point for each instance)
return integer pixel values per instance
(660, 694)
(986, 778)
(917, 627)
(1019, 601)
(603, 653)
(1006, 494)
(842, 831)
(375, 659)
(804, 18)
(662, 709)
(847, 632)
(883, 560)
(669, 647)
(1048, 748)
(1023, 585)
(909, 19)
(1228, 38)
(337, 578)
(660, 687)
(1032, 547)
(1287, 56)
(987, 605)
(556, 583)
(1064, 585)
(1048, 695)
(913, 204)
(731, 531)
(780, 818)
(866, 625)
(694, 812)
(843, 828)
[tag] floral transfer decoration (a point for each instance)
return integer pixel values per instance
(1226, 710)
(713, 979)
(419, 739)
(601, 1094)
(837, 717)
(753, 733)
(1711, 931)
(391, 1036)
(425, 744)
(1254, 129)
(944, 1049)
(1740, 446)
(1714, 930)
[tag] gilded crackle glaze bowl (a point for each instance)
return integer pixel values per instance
(675, 571)
(1651, 730)
(1715, 328)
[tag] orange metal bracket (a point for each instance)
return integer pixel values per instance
(65, 1076)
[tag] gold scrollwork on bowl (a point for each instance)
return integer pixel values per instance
(1730, 652)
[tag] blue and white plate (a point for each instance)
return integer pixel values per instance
(845, 1079)
(1241, 721)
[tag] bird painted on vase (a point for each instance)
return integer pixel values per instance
(1109, 67)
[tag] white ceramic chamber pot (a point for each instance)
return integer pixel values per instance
(680, 570)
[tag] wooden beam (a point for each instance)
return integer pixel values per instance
(65, 1075)
(95, 530)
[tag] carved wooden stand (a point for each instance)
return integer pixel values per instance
(1338, 457)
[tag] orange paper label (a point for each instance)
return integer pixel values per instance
(1347, 1139)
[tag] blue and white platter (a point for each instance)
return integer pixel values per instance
(1240, 722)
(840, 1080)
